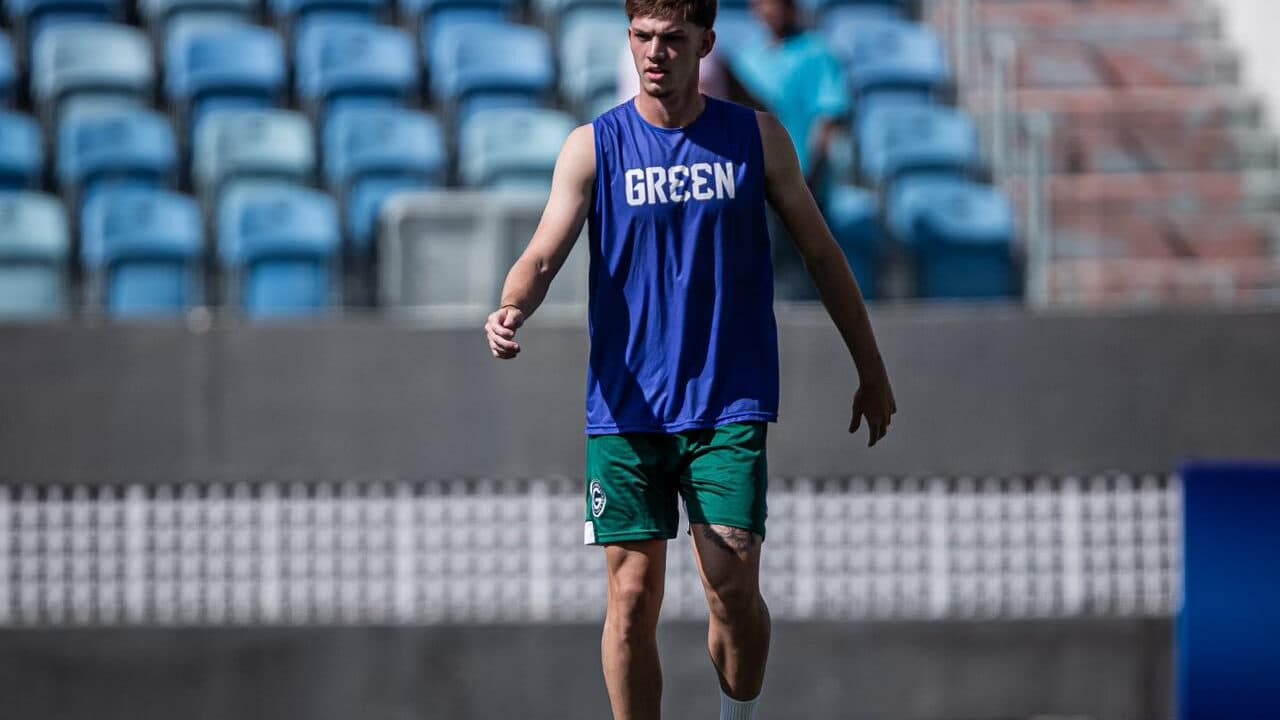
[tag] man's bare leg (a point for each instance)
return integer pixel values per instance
(738, 636)
(629, 647)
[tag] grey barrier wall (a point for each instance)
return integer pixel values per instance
(981, 389)
(1099, 669)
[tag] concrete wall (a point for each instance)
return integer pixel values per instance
(981, 390)
(1105, 670)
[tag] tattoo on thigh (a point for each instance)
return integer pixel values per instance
(729, 539)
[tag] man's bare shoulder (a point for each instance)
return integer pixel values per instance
(579, 152)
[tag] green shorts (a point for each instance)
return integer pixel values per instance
(633, 480)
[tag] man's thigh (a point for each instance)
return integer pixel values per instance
(632, 492)
(727, 478)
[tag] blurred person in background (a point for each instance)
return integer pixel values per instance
(794, 75)
(683, 367)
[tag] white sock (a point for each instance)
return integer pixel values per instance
(731, 709)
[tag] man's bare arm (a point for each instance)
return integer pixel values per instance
(790, 197)
(531, 275)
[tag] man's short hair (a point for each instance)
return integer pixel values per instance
(698, 12)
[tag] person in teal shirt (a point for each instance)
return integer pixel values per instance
(794, 75)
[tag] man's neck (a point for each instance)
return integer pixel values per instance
(676, 110)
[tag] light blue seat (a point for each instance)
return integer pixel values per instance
(511, 147)
(342, 64)
(32, 17)
(289, 13)
(738, 28)
(212, 65)
(240, 144)
(115, 147)
(141, 250)
(562, 10)
(479, 65)
(8, 71)
(34, 250)
(426, 12)
(854, 217)
(887, 59)
(961, 235)
(895, 140)
(373, 153)
(158, 13)
(98, 64)
(279, 248)
(21, 152)
(590, 42)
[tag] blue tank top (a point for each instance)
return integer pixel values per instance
(681, 313)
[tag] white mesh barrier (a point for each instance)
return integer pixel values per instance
(494, 551)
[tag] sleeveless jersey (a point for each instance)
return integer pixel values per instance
(681, 319)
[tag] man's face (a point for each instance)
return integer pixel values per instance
(666, 53)
(777, 15)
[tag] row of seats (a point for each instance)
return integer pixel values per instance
(912, 173)
(143, 252)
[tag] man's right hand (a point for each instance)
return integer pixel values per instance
(501, 328)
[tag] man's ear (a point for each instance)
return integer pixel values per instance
(708, 42)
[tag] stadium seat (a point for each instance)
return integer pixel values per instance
(222, 65)
(158, 13)
(886, 58)
(32, 17)
(894, 140)
(343, 64)
(21, 152)
(960, 233)
(121, 147)
(8, 71)
(372, 153)
(425, 12)
(278, 245)
(511, 147)
(34, 250)
(293, 13)
(589, 45)
(141, 250)
(737, 28)
(479, 65)
(558, 11)
(97, 64)
(242, 144)
(853, 214)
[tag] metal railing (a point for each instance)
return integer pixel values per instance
(326, 553)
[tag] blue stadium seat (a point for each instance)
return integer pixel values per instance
(854, 217)
(121, 147)
(961, 234)
(279, 247)
(32, 17)
(222, 65)
(343, 64)
(426, 12)
(511, 147)
(738, 28)
(561, 10)
(478, 65)
(21, 152)
(293, 13)
(141, 251)
(8, 71)
(894, 140)
(372, 153)
(98, 64)
(242, 144)
(888, 59)
(590, 41)
(158, 13)
(34, 250)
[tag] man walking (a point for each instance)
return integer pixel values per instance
(683, 369)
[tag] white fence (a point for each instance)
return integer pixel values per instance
(485, 551)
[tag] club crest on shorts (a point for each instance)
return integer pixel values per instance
(598, 499)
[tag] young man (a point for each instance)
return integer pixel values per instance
(683, 371)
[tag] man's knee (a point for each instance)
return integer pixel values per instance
(634, 604)
(733, 596)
